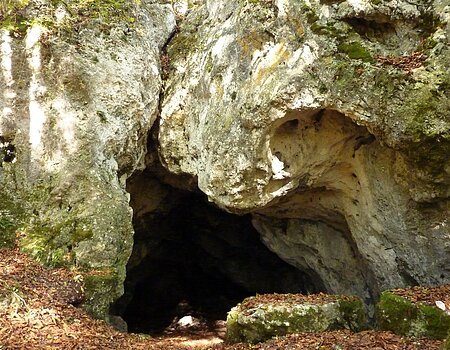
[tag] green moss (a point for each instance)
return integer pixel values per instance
(100, 288)
(11, 15)
(267, 320)
(355, 50)
(22, 14)
(263, 3)
(182, 44)
(437, 322)
(51, 243)
(446, 345)
(396, 314)
(187, 38)
(17, 24)
(424, 105)
(333, 29)
(426, 111)
(310, 14)
(110, 10)
(353, 314)
(102, 116)
(312, 320)
(234, 331)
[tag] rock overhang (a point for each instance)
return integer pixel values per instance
(367, 80)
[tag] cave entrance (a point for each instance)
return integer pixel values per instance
(193, 259)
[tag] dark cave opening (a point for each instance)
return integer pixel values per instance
(193, 259)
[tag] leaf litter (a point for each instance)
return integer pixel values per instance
(38, 310)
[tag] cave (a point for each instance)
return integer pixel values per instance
(192, 258)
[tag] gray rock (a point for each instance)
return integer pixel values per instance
(265, 320)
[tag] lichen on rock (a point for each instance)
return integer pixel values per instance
(81, 88)
(325, 120)
(258, 320)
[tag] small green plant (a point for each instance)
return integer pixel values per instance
(5, 223)
(8, 227)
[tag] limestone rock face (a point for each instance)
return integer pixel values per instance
(80, 90)
(327, 119)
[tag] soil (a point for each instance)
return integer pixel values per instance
(38, 310)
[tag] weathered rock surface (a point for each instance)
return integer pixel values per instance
(327, 120)
(330, 121)
(80, 88)
(257, 320)
(399, 315)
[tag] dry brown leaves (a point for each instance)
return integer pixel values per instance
(291, 299)
(406, 63)
(339, 340)
(426, 295)
(37, 312)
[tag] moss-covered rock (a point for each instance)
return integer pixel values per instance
(263, 320)
(401, 316)
(19, 16)
(100, 287)
(81, 91)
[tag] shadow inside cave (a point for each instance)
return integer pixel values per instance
(193, 259)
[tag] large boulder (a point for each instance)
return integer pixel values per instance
(262, 317)
(80, 90)
(329, 120)
(418, 312)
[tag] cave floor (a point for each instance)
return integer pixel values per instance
(38, 311)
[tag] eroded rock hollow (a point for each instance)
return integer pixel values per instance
(347, 217)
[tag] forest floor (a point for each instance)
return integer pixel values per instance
(38, 311)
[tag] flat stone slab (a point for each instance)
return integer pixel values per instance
(265, 316)
(418, 312)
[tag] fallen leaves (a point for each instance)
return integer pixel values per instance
(406, 63)
(426, 295)
(279, 299)
(339, 340)
(37, 312)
